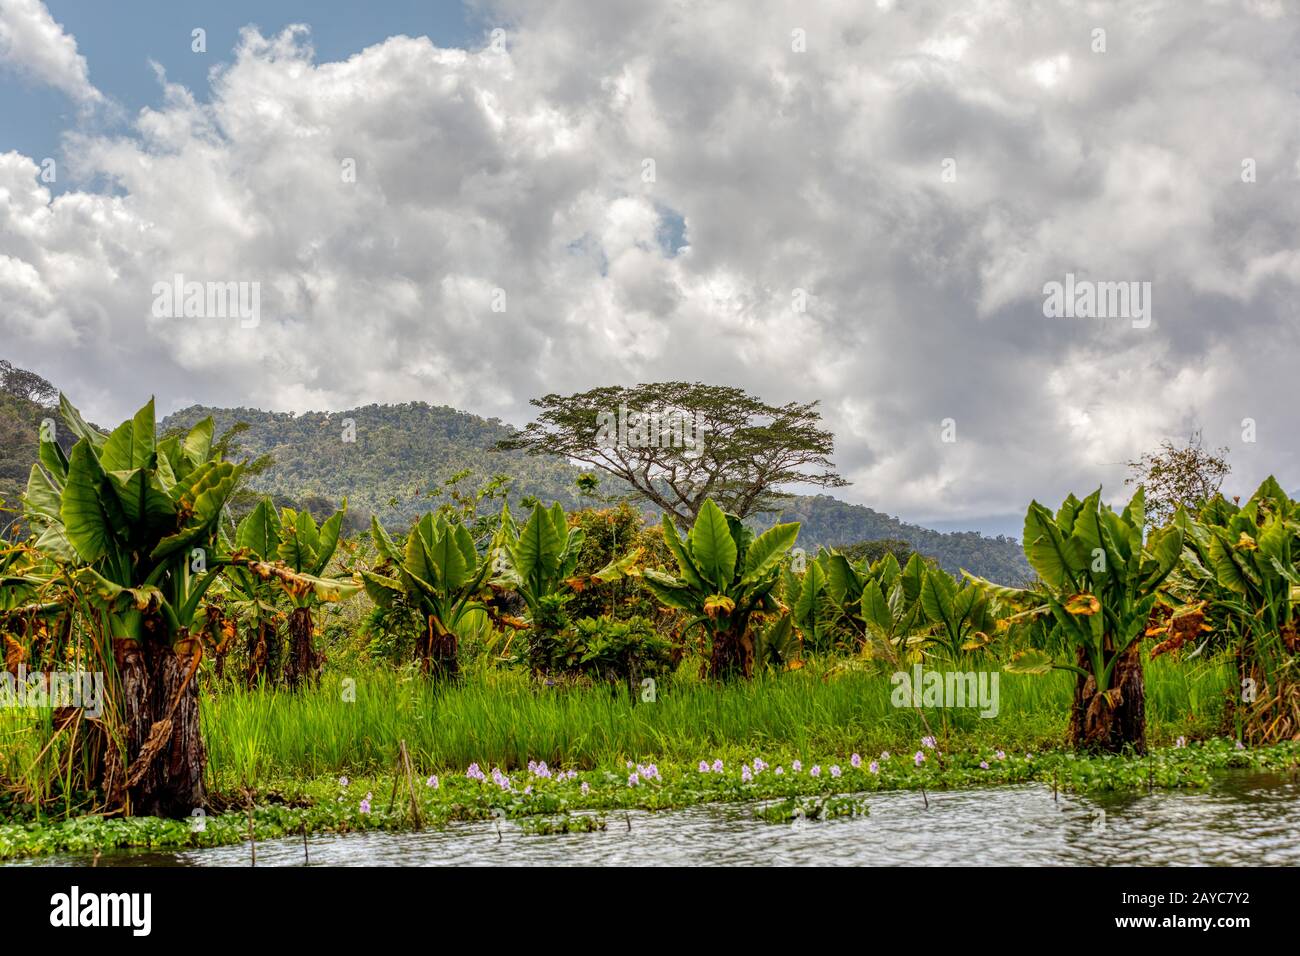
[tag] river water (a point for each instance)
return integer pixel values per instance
(1251, 820)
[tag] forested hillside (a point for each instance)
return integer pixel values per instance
(402, 453)
(394, 460)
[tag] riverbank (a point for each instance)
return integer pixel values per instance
(549, 799)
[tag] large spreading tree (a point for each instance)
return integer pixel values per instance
(738, 450)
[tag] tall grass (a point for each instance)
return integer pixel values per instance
(501, 718)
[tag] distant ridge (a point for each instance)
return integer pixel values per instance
(402, 452)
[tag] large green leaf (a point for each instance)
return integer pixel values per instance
(685, 563)
(131, 445)
(768, 549)
(78, 424)
(937, 594)
(43, 497)
(259, 531)
(1048, 552)
(712, 546)
(198, 443)
(84, 521)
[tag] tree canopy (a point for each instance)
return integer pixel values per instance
(679, 443)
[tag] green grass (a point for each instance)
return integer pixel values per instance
(500, 718)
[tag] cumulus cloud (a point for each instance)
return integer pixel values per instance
(503, 235)
(33, 44)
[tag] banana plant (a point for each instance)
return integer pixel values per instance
(438, 571)
(292, 553)
(962, 614)
(1099, 580)
(135, 520)
(1240, 563)
(257, 535)
(539, 562)
(29, 604)
(724, 576)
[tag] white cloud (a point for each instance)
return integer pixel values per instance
(33, 44)
(522, 171)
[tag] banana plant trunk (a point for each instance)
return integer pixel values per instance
(1114, 721)
(733, 648)
(303, 663)
(439, 654)
(263, 653)
(164, 753)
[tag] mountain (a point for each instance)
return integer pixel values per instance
(392, 461)
(829, 522)
(400, 453)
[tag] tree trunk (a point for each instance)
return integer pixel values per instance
(439, 654)
(1116, 720)
(165, 757)
(303, 663)
(263, 655)
(733, 649)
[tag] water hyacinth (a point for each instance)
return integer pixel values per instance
(475, 773)
(835, 771)
(759, 765)
(1239, 746)
(633, 780)
(1180, 743)
(796, 766)
(779, 771)
(984, 765)
(919, 758)
(704, 766)
(928, 743)
(745, 775)
(816, 771)
(432, 782)
(343, 781)
(365, 806)
(873, 767)
(1000, 755)
(648, 772)
(884, 755)
(717, 766)
(855, 761)
(586, 788)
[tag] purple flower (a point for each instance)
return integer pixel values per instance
(343, 781)
(984, 765)
(884, 755)
(474, 773)
(928, 742)
(745, 775)
(633, 780)
(855, 761)
(759, 766)
(919, 758)
(528, 790)
(365, 806)
(572, 774)
(704, 766)
(796, 766)
(1239, 746)
(432, 782)
(1000, 755)
(874, 767)
(816, 771)
(717, 766)
(629, 765)
(1180, 743)
(779, 771)
(835, 771)
(586, 788)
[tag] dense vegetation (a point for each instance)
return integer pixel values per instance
(241, 642)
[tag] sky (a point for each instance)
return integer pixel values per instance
(864, 204)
